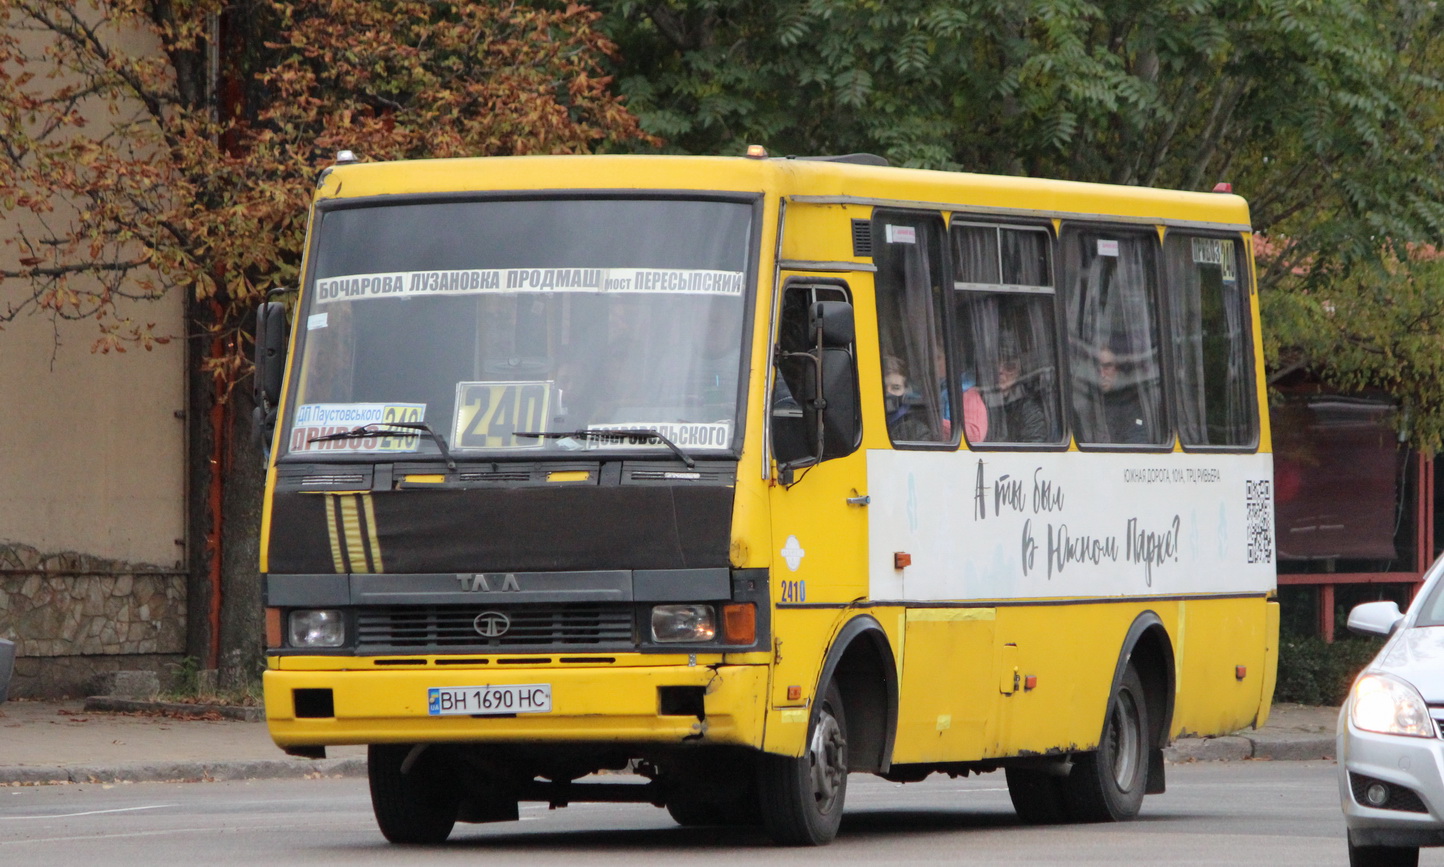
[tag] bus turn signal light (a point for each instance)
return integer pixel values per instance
(273, 627)
(1240, 672)
(739, 623)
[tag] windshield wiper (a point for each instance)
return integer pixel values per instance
(386, 428)
(623, 432)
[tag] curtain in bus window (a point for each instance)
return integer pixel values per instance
(1208, 305)
(909, 312)
(1003, 303)
(1110, 299)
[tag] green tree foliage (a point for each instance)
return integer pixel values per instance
(1322, 112)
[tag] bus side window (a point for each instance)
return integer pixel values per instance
(917, 389)
(1111, 298)
(793, 437)
(1004, 303)
(1209, 326)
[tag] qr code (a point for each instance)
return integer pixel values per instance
(1260, 521)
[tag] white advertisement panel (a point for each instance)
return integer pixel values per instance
(999, 526)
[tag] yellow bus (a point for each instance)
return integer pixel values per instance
(745, 474)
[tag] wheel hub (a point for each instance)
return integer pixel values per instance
(827, 755)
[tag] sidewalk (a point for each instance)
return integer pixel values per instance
(61, 742)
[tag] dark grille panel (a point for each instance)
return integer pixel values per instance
(1400, 798)
(446, 628)
(862, 238)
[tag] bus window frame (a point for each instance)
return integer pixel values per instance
(1152, 231)
(1248, 293)
(306, 287)
(945, 326)
(812, 283)
(1060, 341)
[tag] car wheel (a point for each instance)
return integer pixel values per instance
(416, 803)
(802, 797)
(1107, 785)
(1382, 856)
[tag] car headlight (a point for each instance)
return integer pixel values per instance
(322, 627)
(1385, 704)
(683, 623)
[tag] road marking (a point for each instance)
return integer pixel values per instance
(95, 812)
(93, 837)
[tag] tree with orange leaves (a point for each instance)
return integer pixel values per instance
(154, 147)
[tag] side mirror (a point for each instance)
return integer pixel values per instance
(832, 324)
(840, 418)
(270, 361)
(822, 419)
(1375, 618)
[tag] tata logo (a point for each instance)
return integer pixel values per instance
(478, 583)
(491, 624)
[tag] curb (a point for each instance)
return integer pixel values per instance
(1272, 748)
(115, 704)
(183, 772)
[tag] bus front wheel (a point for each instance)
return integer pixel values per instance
(1038, 795)
(802, 797)
(1107, 785)
(415, 801)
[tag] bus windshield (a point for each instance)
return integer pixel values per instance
(494, 322)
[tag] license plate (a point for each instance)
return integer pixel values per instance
(489, 700)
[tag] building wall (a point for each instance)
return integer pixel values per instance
(92, 486)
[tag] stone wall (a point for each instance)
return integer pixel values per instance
(74, 617)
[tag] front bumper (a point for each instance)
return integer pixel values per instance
(621, 704)
(1414, 764)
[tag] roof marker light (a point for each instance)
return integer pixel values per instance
(1223, 187)
(756, 152)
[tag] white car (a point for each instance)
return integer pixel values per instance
(1391, 753)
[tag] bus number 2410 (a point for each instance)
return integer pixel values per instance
(794, 591)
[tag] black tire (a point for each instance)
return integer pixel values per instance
(1382, 856)
(802, 798)
(1039, 797)
(418, 806)
(1107, 785)
(735, 813)
(692, 814)
(714, 786)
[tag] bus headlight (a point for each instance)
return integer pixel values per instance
(1390, 706)
(683, 623)
(321, 627)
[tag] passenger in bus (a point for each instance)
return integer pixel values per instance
(1122, 410)
(1018, 415)
(906, 421)
(975, 411)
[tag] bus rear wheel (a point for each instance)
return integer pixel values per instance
(1107, 785)
(416, 803)
(802, 797)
